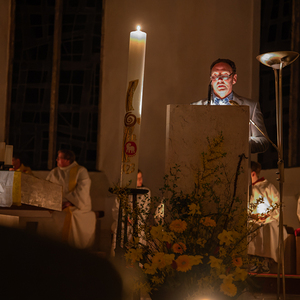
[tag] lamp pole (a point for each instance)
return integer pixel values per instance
(278, 60)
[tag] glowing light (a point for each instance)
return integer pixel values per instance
(138, 28)
(262, 208)
(266, 56)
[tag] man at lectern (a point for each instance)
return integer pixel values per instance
(223, 76)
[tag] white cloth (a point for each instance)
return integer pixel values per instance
(83, 220)
(298, 208)
(6, 187)
(265, 243)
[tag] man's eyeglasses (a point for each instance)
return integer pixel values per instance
(223, 77)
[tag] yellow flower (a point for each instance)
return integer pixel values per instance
(169, 258)
(228, 289)
(162, 260)
(178, 226)
(150, 269)
(179, 248)
(225, 237)
(215, 262)
(222, 252)
(168, 237)
(237, 261)
(194, 209)
(240, 274)
(207, 221)
(227, 278)
(157, 280)
(201, 242)
(236, 235)
(158, 259)
(136, 241)
(156, 232)
(134, 255)
(196, 260)
(184, 263)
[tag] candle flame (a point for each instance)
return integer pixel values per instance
(138, 28)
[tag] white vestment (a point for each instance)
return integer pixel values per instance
(81, 219)
(265, 243)
(298, 208)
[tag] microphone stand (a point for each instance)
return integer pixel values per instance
(232, 102)
(209, 94)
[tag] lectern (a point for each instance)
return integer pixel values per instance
(189, 127)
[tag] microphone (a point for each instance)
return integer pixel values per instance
(234, 103)
(209, 94)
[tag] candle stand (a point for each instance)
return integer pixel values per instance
(122, 228)
(122, 231)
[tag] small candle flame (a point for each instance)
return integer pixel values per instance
(138, 28)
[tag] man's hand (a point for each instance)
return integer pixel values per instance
(66, 204)
(260, 217)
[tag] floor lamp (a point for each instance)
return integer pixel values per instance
(278, 60)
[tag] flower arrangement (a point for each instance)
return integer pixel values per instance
(197, 246)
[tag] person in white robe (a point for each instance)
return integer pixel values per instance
(265, 243)
(76, 223)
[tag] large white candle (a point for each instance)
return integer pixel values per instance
(133, 106)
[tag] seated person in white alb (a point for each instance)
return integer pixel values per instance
(265, 243)
(75, 224)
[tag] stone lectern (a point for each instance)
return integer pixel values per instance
(193, 132)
